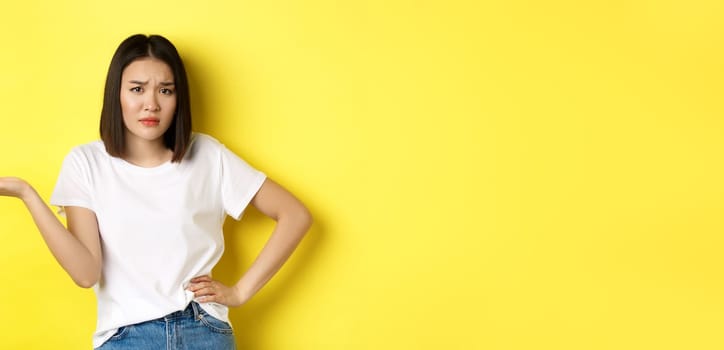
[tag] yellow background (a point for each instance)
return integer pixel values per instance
(483, 174)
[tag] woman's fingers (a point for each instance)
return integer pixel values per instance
(199, 285)
(205, 291)
(208, 290)
(203, 286)
(12, 186)
(207, 299)
(204, 278)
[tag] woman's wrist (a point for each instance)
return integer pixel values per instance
(242, 294)
(27, 193)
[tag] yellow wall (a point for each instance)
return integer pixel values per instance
(483, 174)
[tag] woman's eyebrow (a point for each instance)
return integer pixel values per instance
(163, 83)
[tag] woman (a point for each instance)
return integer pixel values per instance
(145, 208)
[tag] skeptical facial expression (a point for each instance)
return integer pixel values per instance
(148, 99)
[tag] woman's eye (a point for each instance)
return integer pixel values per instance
(166, 91)
(136, 89)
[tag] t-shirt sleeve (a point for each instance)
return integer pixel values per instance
(239, 183)
(73, 186)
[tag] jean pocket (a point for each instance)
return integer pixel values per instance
(213, 323)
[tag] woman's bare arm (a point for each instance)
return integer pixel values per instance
(293, 220)
(76, 248)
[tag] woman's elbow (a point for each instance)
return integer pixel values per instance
(87, 281)
(300, 217)
(305, 218)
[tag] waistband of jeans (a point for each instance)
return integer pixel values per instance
(191, 310)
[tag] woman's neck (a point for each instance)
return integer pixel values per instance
(145, 153)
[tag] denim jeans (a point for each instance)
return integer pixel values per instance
(190, 329)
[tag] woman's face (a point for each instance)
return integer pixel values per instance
(148, 99)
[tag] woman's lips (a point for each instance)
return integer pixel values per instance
(149, 121)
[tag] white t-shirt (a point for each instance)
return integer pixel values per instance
(159, 226)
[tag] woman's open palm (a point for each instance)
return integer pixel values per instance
(13, 186)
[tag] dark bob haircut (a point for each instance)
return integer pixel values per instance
(113, 131)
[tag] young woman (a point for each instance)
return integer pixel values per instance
(145, 207)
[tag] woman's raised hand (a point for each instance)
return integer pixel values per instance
(14, 187)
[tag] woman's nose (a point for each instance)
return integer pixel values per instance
(151, 103)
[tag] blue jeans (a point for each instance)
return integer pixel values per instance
(190, 329)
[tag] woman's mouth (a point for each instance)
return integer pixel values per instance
(149, 121)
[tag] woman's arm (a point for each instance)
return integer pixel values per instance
(77, 248)
(293, 220)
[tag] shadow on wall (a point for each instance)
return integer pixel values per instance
(250, 320)
(196, 74)
(211, 108)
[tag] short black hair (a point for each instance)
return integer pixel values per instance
(112, 129)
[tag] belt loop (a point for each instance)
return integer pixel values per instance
(195, 307)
